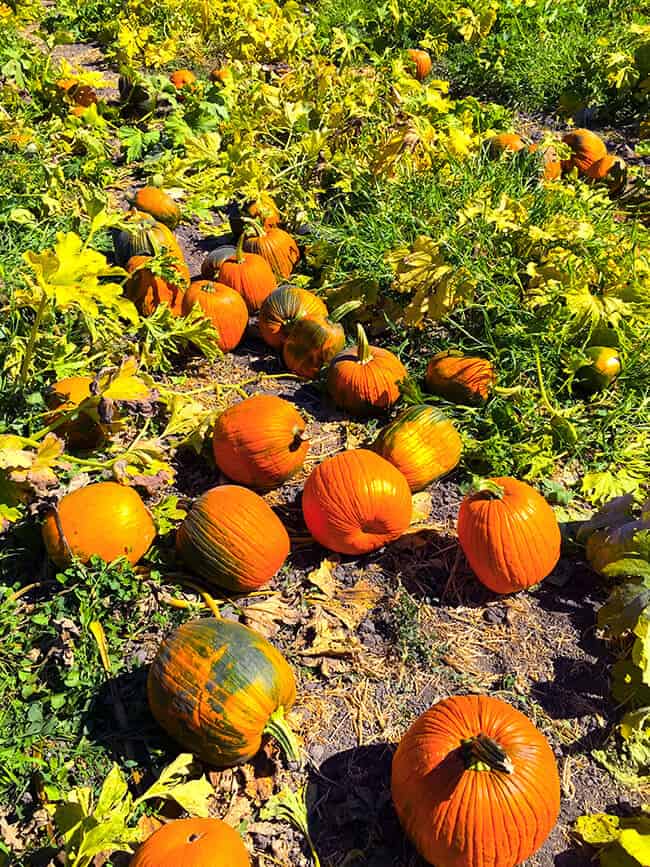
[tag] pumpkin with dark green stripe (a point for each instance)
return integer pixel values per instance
(217, 687)
(233, 539)
(601, 367)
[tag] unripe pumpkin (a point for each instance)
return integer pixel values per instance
(603, 368)
(156, 202)
(460, 378)
(210, 265)
(224, 307)
(284, 306)
(311, 344)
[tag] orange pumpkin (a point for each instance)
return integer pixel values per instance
(84, 431)
(550, 161)
(609, 170)
(248, 274)
(148, 290)
(356, 502)
(224, 307)
(364, 379)
(145, 236)
(156, 202)
(587, 148)
(105, 519)
(460, 378)
(422, 62)
(231, 538)
(311, 344)
(282, 308)
(422, 443)
(475, 784)
(260, 442)
(192, 843)
(505, 142)
(509, 535)
(276, 246)
(263, 209)
(220, 74)
(183, 78)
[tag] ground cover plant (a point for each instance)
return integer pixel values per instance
(324, 415)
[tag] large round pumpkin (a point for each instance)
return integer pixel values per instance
(154, 201)
(233, 539)
(509, 534)
(84, 431)
(460, 378)
(284, 306)
(216, 687)
(277, 247)
(193, 843)
(356, 502)
(422, 443)
(475, 784)
(311, 344)
(148, 290)
(364, 379)
(248, 274)
(260, 442)
(210, 265)
(105, 519)
(223, 306)
(586, 149)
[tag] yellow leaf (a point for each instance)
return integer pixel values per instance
(323, 577)
(100, 637)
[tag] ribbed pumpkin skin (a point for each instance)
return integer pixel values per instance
(587, 148)
(224, 307)
(282, 308)
(84, 432)
(106, 519)
(310, 344)
(459, 817)
(277, 247)
(356, 502)
(422, 443)
(362, 388)
(210, 265)
(422, 62)
(258, 442)
(252, 278)
(213, 686)
(192, 843)
(510, 543)
(505, 142)
(144, 237)
(156, 202)
(460, 378)
(233, 539)
(148, 291)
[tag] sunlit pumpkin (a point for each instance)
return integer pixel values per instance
(183, 78)
(84, 431)
(365, 379)
(260, 442)
(460, 378)
(505, 142)
(223, 306)
(609, 170)
(233, 539)
(422, 443)
(550, 161)
(192, 843)
(422, 62)
(105, 519)
(282, 308)
(587, 148)
(475, 784)
(248, 274)
(509, 534)
(145, 236)
(274, 245)
(220, 74)
(217, 687)
(356, 502)
(311, 344)
(148, 290)
(210, 265)
(602, 368)
(156, 202)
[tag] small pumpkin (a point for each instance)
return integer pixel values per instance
(611, 171)
(276, 246)
(182, 78)
(145, 236)
(282, 308)
(248, 274)
(587, 148)
(260, 442)
(313, 342)
(422, 62)
(224, 307)
(460, 378)
(364, 379)
(509, 534)
(192, 843)
(551, 163)
(210, 265)
(233, 539)
(356, 502)
(148, 290)
(422, 443)
(217, 687)
(475, 784)
(105, 519)
(220, 74)
(263, 209)
(600, 371)
(156, 202)
(505, 142)
(84, 431)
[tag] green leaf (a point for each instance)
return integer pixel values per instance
(114, 796)
(620, 842)
(290, 806)
(625, 606)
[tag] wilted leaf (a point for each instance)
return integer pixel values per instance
(422, 507)
(627, 755)
(193, 795)
(323, 578)
(270, 615)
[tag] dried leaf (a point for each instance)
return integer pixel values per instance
(323, 578)
(269, 615)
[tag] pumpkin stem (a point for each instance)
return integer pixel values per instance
(299, 437)
(255, 225)
(343, 309)
(363, 348)
(482, 753)
(239, 252)
(278, 728)
(487, 489)
(63, 537)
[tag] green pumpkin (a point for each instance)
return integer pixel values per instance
(603, 367)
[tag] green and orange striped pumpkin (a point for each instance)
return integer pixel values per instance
(284, 306)
(460, 378)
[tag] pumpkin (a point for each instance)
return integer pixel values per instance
(210, 265)
(217, 688)
(505, 142)
(183, 78)
(282, 308)
(276, 246)
(603, 367)
(422, 62)
(364, 379)
(105, 519)
(263, 209)
(84, 431)
(145, 236)
(475, 784)
(156, 202)
(422, 443)
(192, 843)
(220, 74)
(509, 534)
(260, 442)
(248, 274)
(550, 161)
(224, 307)
(609, 170)
(356, 502)
(233, 539)
(460, 378)
(313, 342)
(148, 290)
(587, 148)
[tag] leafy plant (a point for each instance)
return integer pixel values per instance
(619, 842)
